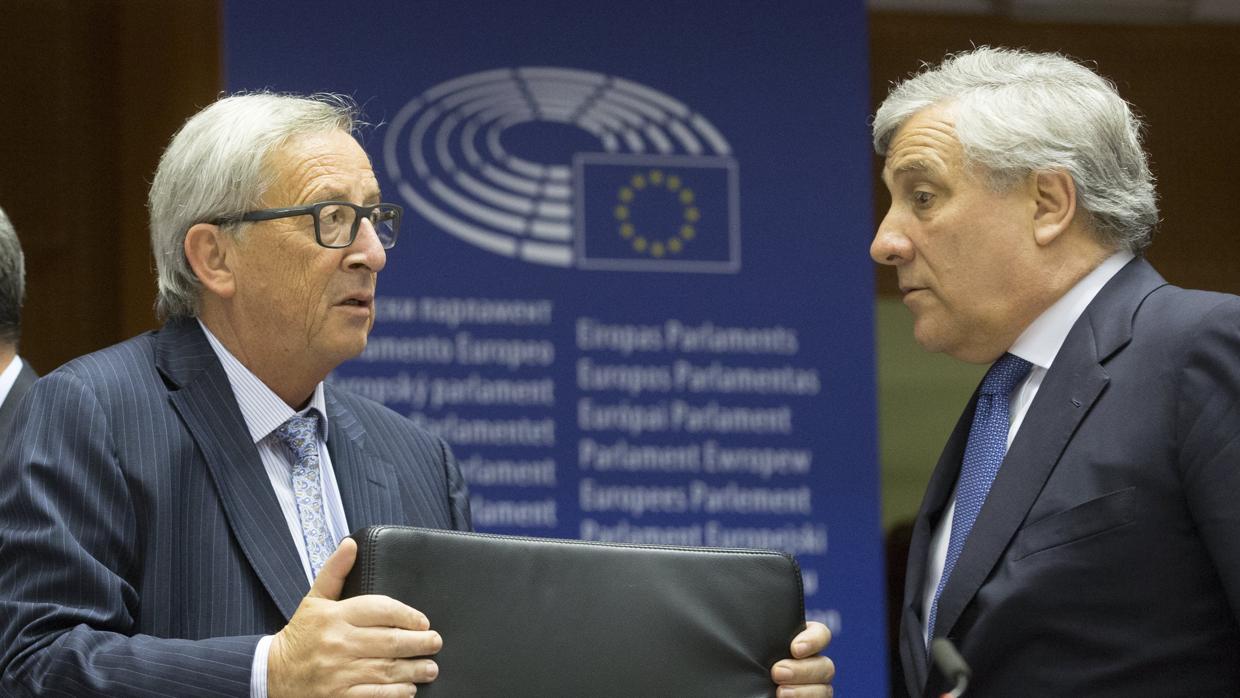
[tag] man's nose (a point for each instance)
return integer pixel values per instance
(890, 246)
(367, 251)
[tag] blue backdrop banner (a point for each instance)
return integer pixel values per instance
(631, 288)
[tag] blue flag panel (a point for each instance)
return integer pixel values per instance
(657, 213)
(632, 288)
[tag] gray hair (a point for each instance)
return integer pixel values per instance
(12, 282)
(216, 166)
(1018, 112)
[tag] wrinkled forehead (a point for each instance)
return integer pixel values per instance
(924, 144)
(320, 166)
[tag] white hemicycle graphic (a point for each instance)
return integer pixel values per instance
(444, 150)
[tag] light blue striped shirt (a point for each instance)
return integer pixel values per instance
(264, 412)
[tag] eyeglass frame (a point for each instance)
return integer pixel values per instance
(313, 210)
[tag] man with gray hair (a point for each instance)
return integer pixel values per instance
(16, 376)
(1078, 536)
(175, 507)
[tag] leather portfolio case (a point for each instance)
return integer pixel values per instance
(543, 617)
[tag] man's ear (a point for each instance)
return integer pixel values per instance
(1055, 196)
(209, 251)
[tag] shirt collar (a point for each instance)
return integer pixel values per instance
(1041, 340)
(8, 376)
(261, 408)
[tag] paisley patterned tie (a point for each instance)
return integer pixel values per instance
(299, 435)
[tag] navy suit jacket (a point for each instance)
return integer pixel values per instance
(142, 550)
(8, 406)
(1106, 559)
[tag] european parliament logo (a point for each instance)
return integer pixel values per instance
(569, 168)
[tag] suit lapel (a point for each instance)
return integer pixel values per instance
(1075, 381)
(202, 396)
(368, 487)
(25, 377)
(1067, 393)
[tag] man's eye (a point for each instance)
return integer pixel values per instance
(922, 198)
(332, 215)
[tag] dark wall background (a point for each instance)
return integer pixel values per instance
(93, 90)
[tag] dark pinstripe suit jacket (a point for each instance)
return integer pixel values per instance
(142, 551)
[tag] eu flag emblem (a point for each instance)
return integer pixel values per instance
(657, 213)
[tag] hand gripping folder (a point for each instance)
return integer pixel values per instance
(551, 618)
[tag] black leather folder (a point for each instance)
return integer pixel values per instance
(543, 617)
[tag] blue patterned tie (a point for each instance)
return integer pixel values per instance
(982, 456)
(299, 435)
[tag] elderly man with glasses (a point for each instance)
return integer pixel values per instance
(176, 506)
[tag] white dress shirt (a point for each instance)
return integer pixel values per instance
(1038, 344)
(9, 376)
(264, 412)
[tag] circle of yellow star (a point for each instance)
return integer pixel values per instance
(627, 196)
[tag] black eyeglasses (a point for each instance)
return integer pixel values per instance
(335, 222)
